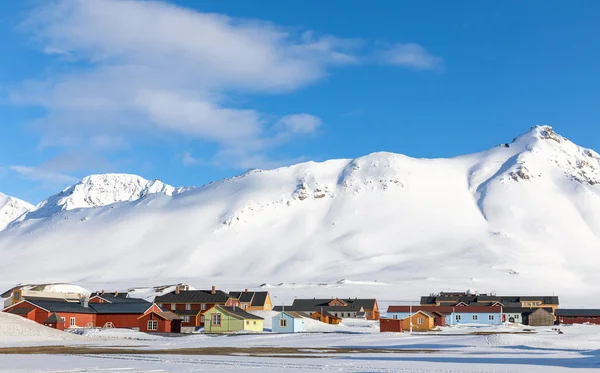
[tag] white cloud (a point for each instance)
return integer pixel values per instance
(298, 123)
(152, 66)
(43, 175)
(412, 56)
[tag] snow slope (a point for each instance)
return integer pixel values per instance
(10, 209)
(99, 191)
(525, 212)
(17, 329)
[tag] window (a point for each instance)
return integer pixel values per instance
(203, 307)
(517, 317)
(255, 323)
(491, 317)
(216, 319)
(159, 305)
(244, 306)
(283, 323)
(475, 317)
(458, 317)
(420, 321)
(247, 322)
(173, 307)
(395, 317)
(72, 321)
(202, 318)
(188, 306)
(368, 313)
(186, 319)
(63, 319)
(17, 296)
(152, 324)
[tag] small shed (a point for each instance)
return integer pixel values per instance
(439, 319)
(422, 321)
(55, 322)
(159, 322)
(390, 325)
(540, 317)
(325, 317)
(287, 322)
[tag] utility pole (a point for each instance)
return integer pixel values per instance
(410, 303)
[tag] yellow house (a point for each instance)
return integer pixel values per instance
(224, 319)
(253, 300)
(421, 322)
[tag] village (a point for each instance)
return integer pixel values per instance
(180, 309)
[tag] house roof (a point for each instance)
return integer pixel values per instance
(194, 296)
(317, 304)
(54, 318)
(325, 313)
(119, 298)
(120, 308)
(579, 312)
(169, 316)
(20, 311)
(446, 310)
(484, 298)
(255, 298)
(292, 314)
(239, 313)
(60, 305)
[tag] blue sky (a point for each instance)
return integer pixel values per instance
(190, 92)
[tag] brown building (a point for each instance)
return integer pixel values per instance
(538, 317)
(325, 317)
(578, 316)
(190, 305)
(390, 326)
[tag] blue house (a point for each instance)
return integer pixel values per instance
(459, 315)
(287, 322)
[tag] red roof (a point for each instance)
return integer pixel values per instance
(446, 309)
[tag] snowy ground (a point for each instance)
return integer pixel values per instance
(455, 349)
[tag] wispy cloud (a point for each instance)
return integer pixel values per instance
(412, 56)
(46, 176)
(298, 123)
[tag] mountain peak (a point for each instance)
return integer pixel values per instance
(11, 208)
(101, 190)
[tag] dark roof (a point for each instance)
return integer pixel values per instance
(446, 310)
(317, 304)
(282, 308)
(484, 298)
(59, 305)
(20, 311)
(194, 296)
(119, 298)
(524, 310)
(583, 312)
(120, 308)
(325, 313)
(255, 298)
(170, 316)
(54, 318)
(237, 311)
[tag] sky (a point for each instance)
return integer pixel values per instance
(194, 91)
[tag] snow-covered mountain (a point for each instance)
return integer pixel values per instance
(523, 214)
(99, 191)
(11, 208)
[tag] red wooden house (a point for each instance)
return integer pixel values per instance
(161, 322)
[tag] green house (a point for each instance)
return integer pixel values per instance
(222, 319)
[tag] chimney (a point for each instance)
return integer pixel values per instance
(116, 293)
(85, 302)
(245, 290)
(102, 292)
(213, 290)
(177, 290)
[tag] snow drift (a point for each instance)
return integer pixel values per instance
(527, 212)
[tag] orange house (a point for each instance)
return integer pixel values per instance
(325, 317)
(422, 321)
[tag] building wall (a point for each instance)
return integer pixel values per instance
(579, 320)
(540, 318)
(164, 326)
(81, 319)
(228, 323)
(289, 328)
(426, 323)
(254, 325)
(469, 318)
(517, 317)
(118, 320)
(390, 325)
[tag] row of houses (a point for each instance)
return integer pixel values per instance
(470, 308)
(180, 310)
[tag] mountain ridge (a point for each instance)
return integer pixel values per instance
(504, 215)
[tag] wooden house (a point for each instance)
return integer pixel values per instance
(325, 317)
(191, 305)
(72, 314)
(337, 307)
(54, 321)
(159, 322)
(287, 322)
(225, 319)
(578, 316)
(253, 300)
(390, 325)
(474, 299)
(422, 321)
(539, 317)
